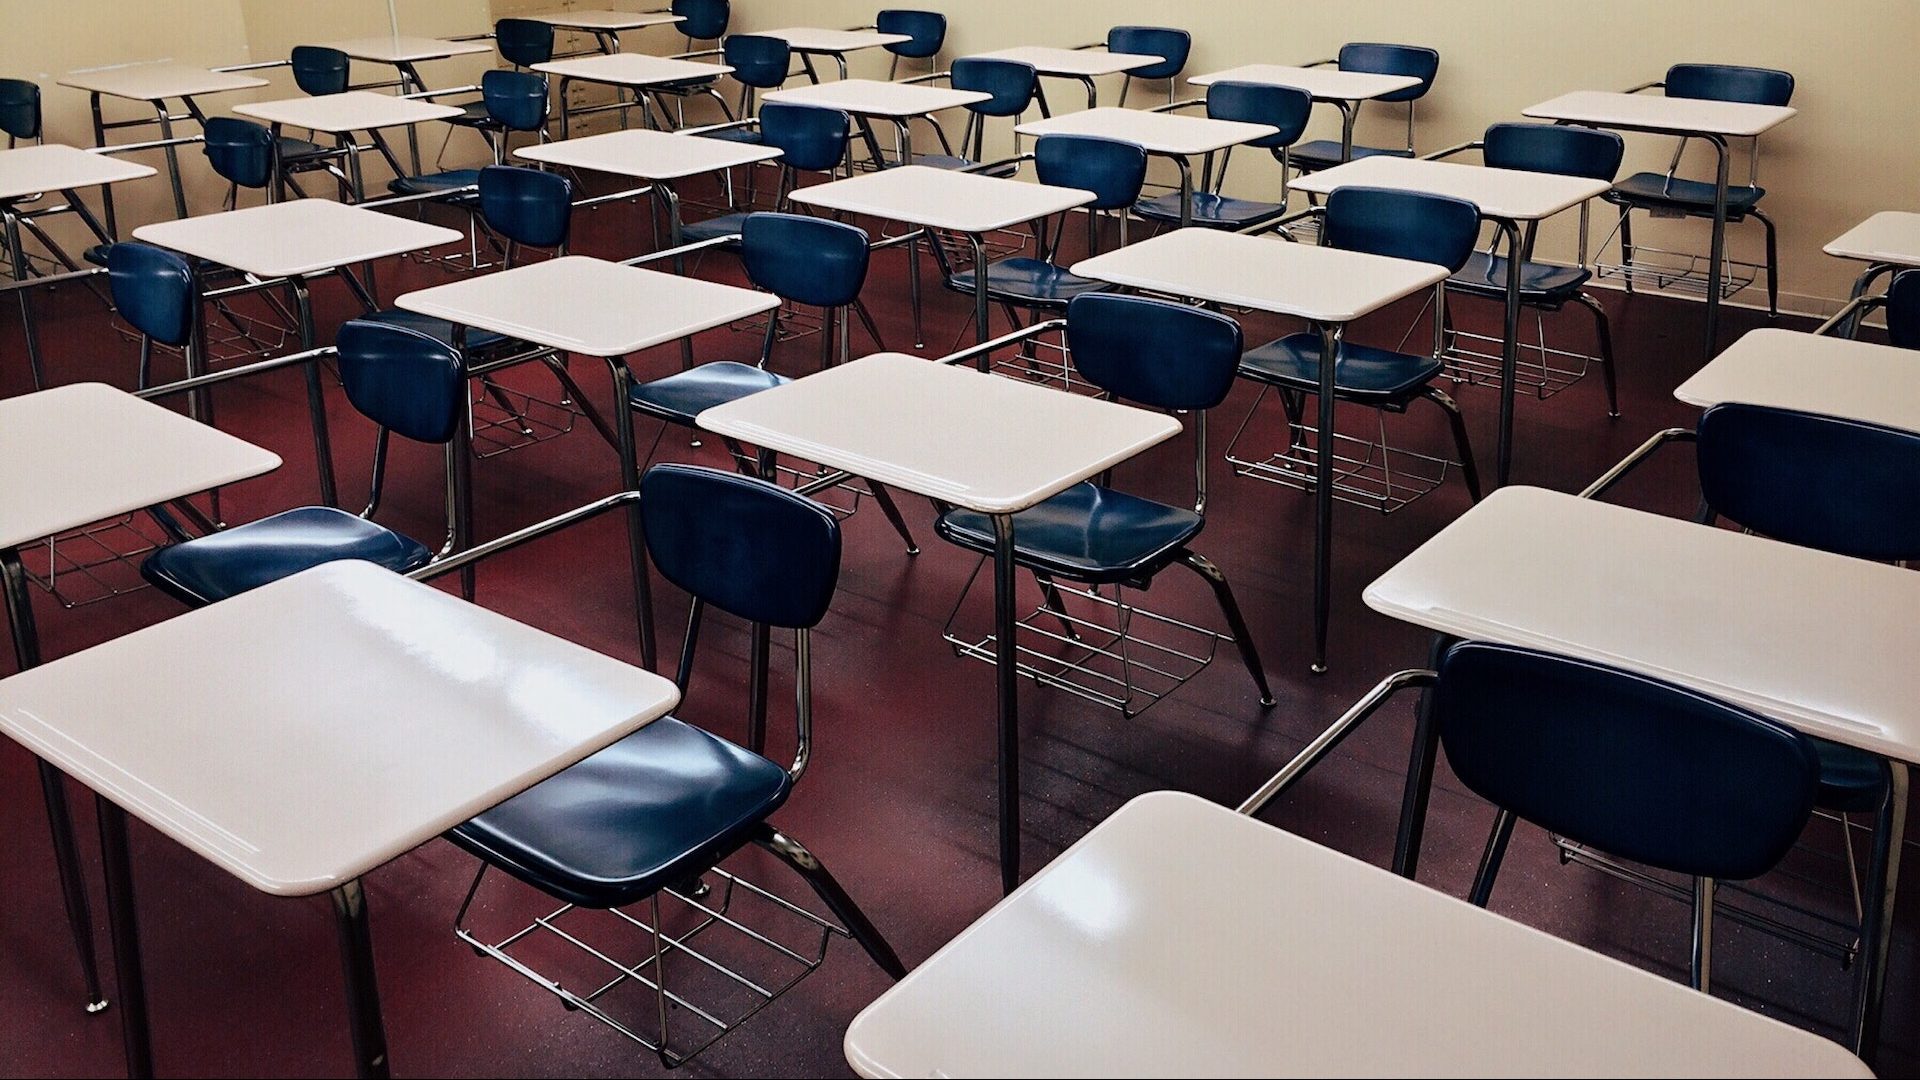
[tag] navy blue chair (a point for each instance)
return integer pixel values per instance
(1375, 59)
(1632, 766)
(153, 289)
(1160, 355)
(926, 33)
(241, 153)
(1398, 224)
(1285, 107)
(524, 42)
(1903, 309)
(319, 70)
(409, 384)
(700, 20)
(758, 63)
(1011, 86)
(1170, 45)
(1113, 171)
(1566, 151)
(20, 111)
(510, 101)
(810, 139)
(667, 804)
(1667, 193)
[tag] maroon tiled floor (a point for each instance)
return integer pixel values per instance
(898, 801)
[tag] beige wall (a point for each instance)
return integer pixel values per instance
(1851, 151)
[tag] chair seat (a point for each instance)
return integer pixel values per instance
(749, 136)
(431, 183)
(1485, 275)
(292, 149)
(97, 254)
(1210, 211)
(1851, 781)
(1360, 372)
(952, 163)
(664, 803)
(688, 86)
(709, 228)
(1325, 153)
(437, 329)
(473, 114)
(1029, 281)
(211, 568)
(680, 397)
(1654, 189)
(1087, 533)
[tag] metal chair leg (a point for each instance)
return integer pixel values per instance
(1701, 970)
(1468, 471)
(1604, 331)
(804, 863)
(1883, 878)
(1626, 246)
(1199, 564)
(1490, 858)
(1773, 265)
(881, 496)
(1050, 596)
(73, 881)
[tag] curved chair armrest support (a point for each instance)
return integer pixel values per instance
(931, 76)
(1632, 461)
(1324, 743)
(749, 122)
(614, 196)
(522, 536)
(1322, 63)
(1441, 155)
(259, 367)
(1002, 163)
(1176, 106)
(9, 285)
(487, 36)
(1089, 45)
(1001, 342)
(429, 95)
(419, 196)
(896, 241)
(1656, 84)
(258, 65)
(1856, 308)
(699, 52)
(683, 249)
(155, 144)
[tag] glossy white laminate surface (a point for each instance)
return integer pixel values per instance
(82, 453)
(604, 20)
(630, 69)
(30, 170)
(1821, 642)
(1324, 83)
(1111, 962)
(1654, 112)
(1319, 283)
(398, 49)
(1786, 369)
(355, 110)
(1514, 194)
(980, 441)
(1890, 236)
(943, 198)
(157, 81)
(647, 154)
(304, 236)
(1159, 133)
(1074, 63)
(823, 40)
(588, 306)
(871, 97)
(306, 732)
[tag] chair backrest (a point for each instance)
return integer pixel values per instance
(1730, 82)
(926, 31)
(527, 206)
(1111, 169)
(1636, 767)
(757, 61)
(20, 109)
(319, 70)
(241, 151)
(1817, 481)
(746, 546)
(703, 20)
(1903, 309)
(809, 138)
(1285, 107)
(1413, 225)
(516, 99)
(1554, 148)
(153, 290)
(524, 42)
(1011, 82)
(807, 260)
(407, 382)
(1152, 352)
(1380, 59)
(1171, 45)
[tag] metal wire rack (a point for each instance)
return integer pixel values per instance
(505, 419)
(1540, 369)
(729, 949)
(1370, 473)
(1095, 646)
(94, 563)
(1678, 271)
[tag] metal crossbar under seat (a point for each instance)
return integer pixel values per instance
(616, 966)
(93, 563)
(1684, 272)
(1095, 646)
(1370, 473)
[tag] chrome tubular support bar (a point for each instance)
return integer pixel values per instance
(987, 347)
(1632, 461)
(307, 356)
(1324, 743)
(681, 251)
(522, 536)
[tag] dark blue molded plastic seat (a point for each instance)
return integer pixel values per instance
(926, 31)
(19, 109)
(758, 61)
(212, 568)
(1171, 45)
(240, 151)
(682, 396)
(1362, 373)
(1540, 283)
(411, 385)
(527, 206)
(715, 226)
(319, 70)
(153, 290)
(509, 101)
(750, 136)
(1903, 309)
(703, 20)
(1548, 148)
(1029, 281)
(1010, 86)
(810, 139)
(1655, 189)
(524, 42)
(451, 180)
(1086, 533)
(1284, 107)
(1375, 59)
